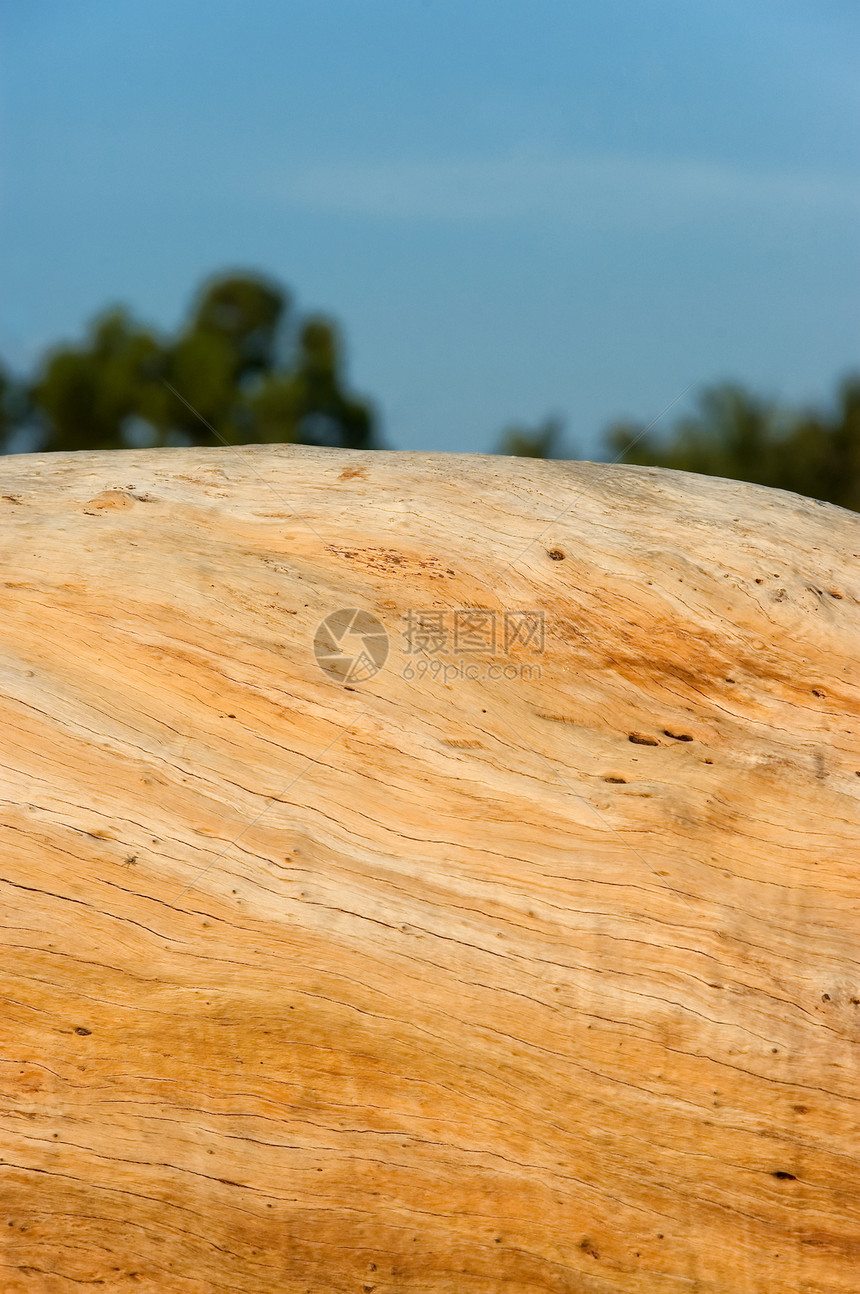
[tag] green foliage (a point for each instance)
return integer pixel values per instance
(241, 371)
(533, 442)
(736, 435)
(230, 374)
(83, 395)
(311, 397)
(6, 414)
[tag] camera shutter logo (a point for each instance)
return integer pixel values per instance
(351, 645)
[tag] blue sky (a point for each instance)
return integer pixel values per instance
(568, 207)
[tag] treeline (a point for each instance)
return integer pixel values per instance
(733, 433)
(244, 369)
(241, 370)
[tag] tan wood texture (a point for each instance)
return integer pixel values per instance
(511, 968)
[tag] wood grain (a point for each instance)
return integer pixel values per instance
(497, 972)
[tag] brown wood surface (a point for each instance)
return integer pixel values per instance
(537, 973)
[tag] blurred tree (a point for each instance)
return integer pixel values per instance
(246, 312)
(310, 398)
(240, 371)
(736, 435)
(231, 369)
(7, 417)
(731, 435)
(822, 455)
(83, 395)
(542, 441)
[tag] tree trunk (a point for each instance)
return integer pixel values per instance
(499, 934)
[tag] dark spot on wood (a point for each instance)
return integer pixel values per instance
(678, 736)
(621, 781)
(556, 554)
(589, 1247)
(85, 1033)
(784, 1176)
(640, 739)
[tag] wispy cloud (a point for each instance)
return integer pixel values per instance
(603, 190)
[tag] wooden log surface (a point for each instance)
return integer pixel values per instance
(511, 967)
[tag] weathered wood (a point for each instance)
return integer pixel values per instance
(545, 978)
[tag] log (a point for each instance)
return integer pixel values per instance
(426, 873)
